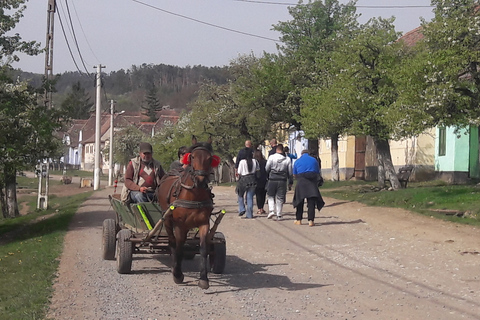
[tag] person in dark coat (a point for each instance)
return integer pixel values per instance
(307, 172)
(273, 146)
(177, 164)
(260, 191)
(242, 154)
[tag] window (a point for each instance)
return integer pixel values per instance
(442, 141)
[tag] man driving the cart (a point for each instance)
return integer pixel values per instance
(142, 177)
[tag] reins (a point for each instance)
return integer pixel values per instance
(181, 183)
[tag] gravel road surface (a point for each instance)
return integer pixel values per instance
(360, 263)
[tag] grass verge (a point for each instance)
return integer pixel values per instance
(29, 252)
(457, 203)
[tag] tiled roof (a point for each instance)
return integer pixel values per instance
(120, 120)
(412, 37)
(74, 131)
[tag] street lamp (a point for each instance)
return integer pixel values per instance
(110, 153)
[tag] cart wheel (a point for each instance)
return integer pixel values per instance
(108, 239)
(124, 252)
(219, 257)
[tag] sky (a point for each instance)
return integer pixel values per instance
(120, 33)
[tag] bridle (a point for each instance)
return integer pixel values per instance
(199, 173)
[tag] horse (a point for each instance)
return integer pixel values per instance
(186, 194)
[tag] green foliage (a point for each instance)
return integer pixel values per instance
(125, 144)
(11, 11)
(449, 64)
(152, 104)
(77, 104)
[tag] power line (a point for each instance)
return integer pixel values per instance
(75, 38)
(358, 6)
(66, 40)
(83, 32)
(206, 23)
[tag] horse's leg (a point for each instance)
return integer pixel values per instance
(180, 237)
(202, 233)
(172, 243)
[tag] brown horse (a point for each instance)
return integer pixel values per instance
(186, 190)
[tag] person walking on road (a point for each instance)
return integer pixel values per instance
(273, 145)
(242, 154)
(307, 173)
(279, 170)
(247, 169)
(260, 191)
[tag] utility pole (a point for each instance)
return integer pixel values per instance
(96, 176)
(42, 200)
(110, 153)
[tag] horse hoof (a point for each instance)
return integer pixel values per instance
(203, 284)
(178, 280)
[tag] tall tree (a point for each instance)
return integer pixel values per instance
(311, 39)
(25, 127)
(370, 62)
(152, 104)
(27, 134)
(77, 104)
(448, 65)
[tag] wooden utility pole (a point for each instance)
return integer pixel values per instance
(42, 202)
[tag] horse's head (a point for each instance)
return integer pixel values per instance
(201, 160)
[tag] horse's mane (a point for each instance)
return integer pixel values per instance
(205, 145)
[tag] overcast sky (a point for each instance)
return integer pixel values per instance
(122, 33)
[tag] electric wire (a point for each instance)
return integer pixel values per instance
(83, 32)
(358, 6)
(66, 40)
(75, 39)
(205, 23)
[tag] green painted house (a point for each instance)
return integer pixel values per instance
(457, 154)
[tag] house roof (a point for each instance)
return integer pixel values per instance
(88, 130)
(412, 37)
(74, 131)
(120, 120)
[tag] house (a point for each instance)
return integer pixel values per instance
(79, 139)
(73, 150)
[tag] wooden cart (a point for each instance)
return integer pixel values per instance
(138, 229)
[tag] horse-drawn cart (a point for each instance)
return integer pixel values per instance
(138, 229)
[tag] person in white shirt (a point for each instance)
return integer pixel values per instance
(247, 169)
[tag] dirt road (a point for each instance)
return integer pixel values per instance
(360, 263)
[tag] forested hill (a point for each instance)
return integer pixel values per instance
(176, 86)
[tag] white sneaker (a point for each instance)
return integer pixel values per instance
(270, 215)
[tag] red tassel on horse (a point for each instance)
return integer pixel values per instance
(186, 158)
(215, 161)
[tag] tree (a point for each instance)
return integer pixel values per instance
(448, 65)
(27, 134)
(311, 40)
(152, 104)
(370, 62)
(26, 128)
(125, 145)
(77, 104)
(11, 11)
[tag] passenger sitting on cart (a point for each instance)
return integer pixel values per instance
(142, 177)
(177, 164)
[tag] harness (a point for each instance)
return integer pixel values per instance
(182, 175)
